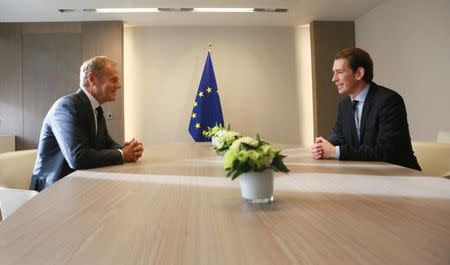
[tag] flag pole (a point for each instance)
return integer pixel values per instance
(209, 47)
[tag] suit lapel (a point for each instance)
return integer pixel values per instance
(88, 106)
(366, 109)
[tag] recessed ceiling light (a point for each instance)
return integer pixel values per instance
(223, 10)
(276, 10)
(175, 9)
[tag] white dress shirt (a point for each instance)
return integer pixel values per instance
(361, 97)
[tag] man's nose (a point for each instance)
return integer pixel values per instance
(334, 78)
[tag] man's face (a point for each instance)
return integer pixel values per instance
(107, 84)
(344, 78)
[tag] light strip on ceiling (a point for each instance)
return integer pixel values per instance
(177, 9)
(127, 10)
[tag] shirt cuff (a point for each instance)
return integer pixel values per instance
(338, 153)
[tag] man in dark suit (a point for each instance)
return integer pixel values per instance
(74, 133)
(372, 122)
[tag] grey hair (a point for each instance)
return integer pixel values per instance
(95, 65)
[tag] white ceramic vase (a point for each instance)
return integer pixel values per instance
(257, 187)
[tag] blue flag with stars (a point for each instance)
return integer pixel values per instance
(207, 111)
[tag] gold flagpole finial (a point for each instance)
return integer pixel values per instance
(209, 47)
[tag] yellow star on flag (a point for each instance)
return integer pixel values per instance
(195, 104)
(204, 132)
(194, 115)
(209, 90)
(200, 94)
(197, 125)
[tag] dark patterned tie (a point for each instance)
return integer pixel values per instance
(355, 120)
(100, 122)
(354, 104)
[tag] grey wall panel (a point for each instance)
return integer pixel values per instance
(11, 80)
(51, 64)
(106, 38)
(327, 38)
(51, 27)
(41, 62)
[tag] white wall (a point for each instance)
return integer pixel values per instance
(409, 41)
(304, 85)
(255, 68)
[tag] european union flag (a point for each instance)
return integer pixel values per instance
(207, 110)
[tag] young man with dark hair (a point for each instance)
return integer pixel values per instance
(372, 122)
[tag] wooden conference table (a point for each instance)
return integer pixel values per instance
(176, 207)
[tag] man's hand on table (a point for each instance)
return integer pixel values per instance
(132, 150)
(322, 149)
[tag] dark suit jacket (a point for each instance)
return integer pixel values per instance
(68, 142)
(384, 133)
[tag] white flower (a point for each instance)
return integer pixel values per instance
(220, 133)
(248, 141)
(244, 140)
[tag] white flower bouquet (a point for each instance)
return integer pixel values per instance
(247, 154)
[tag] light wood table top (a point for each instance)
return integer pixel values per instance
(176, 207)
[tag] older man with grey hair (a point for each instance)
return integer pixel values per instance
(74, 133)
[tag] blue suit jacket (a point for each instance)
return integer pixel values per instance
(384, 132)
(68, 142)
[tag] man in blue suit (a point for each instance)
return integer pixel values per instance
(74, 133)
(372, 123)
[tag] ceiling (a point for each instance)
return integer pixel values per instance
(300, 11)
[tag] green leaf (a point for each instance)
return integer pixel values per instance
(278, 164)
(235, 175)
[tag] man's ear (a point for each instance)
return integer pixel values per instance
(91, 79)
(360, 72)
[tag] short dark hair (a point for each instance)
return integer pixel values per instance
(356, 58)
